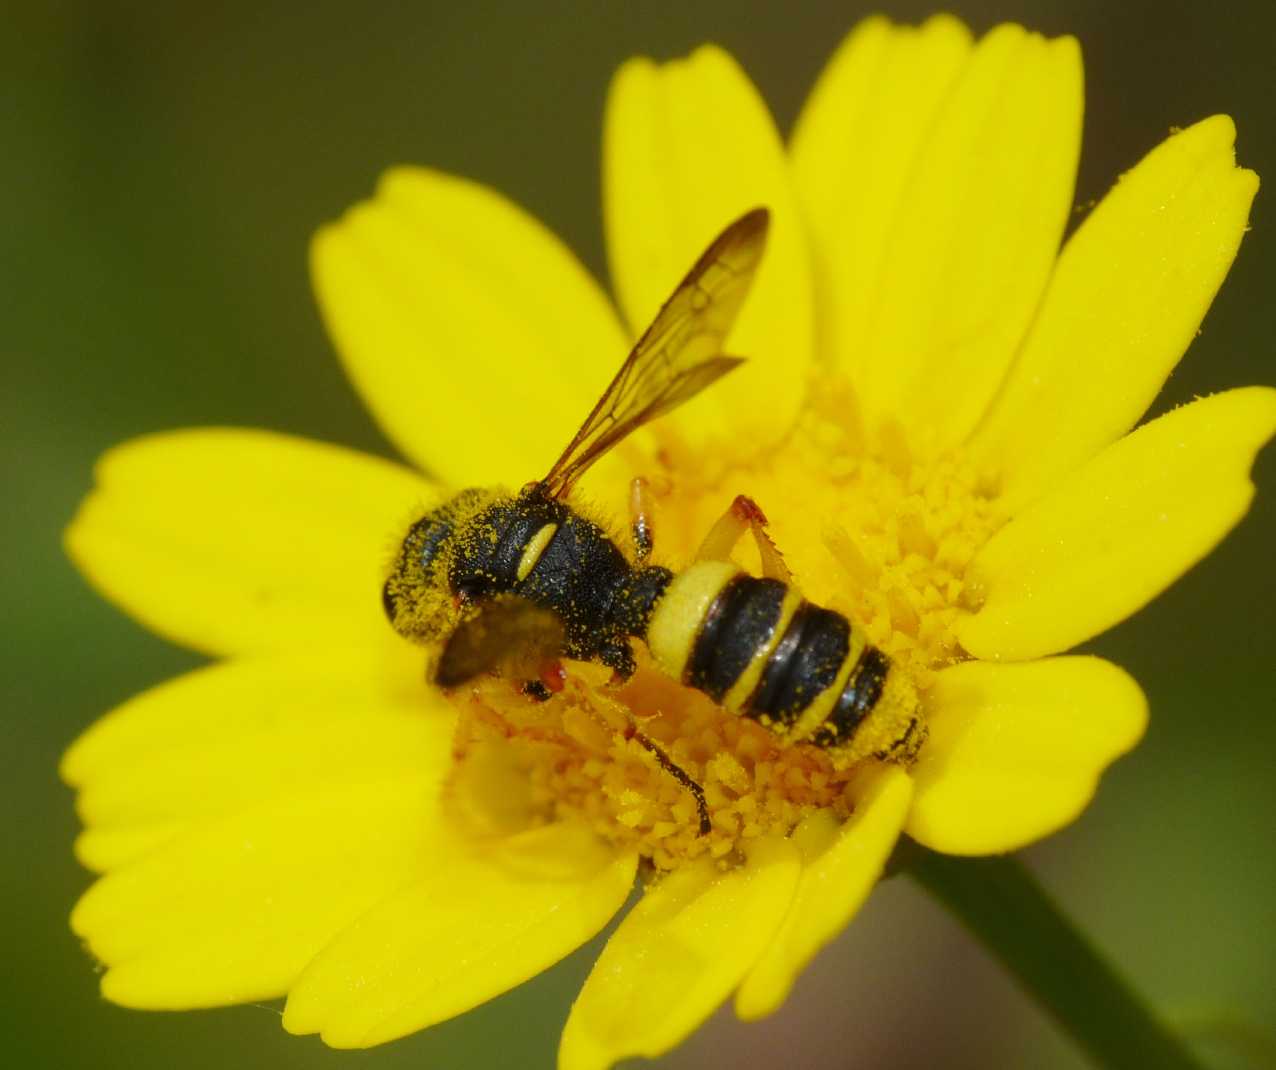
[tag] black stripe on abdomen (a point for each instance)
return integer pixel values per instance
(740, 621)
(804, 664)
(857, 700)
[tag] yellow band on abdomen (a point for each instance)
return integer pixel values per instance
(817, 712)
(735, 699)
(676, 620)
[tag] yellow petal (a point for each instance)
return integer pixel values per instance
(477, 339)
(840, 866)
(689, 146)
(104, 849)
(231, 541)
(1015, 751)
(677, 956)
(1118, 530)
(244, 700)
(236, 908)
(969, 255)
(475, 926)
(282, 755)
(235, 735)
(1127, 296)
(854, 146)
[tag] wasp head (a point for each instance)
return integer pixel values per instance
(417, 595)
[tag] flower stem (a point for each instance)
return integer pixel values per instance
(1002, 904)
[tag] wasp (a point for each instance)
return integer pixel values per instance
(491, 572)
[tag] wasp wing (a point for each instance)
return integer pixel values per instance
(503, 631)
(679, 354)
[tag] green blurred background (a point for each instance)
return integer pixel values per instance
(163, 167)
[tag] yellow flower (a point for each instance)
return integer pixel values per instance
(936, 415)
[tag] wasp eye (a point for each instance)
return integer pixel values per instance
(390, 601)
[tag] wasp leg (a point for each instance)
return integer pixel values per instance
(618, 656)
(744, 515)
(666, 763)
(536, 691)
(551, 678)
(641, 512)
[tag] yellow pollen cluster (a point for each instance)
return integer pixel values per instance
(903, 532)
(519, 762)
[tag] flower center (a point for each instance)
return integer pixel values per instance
(579, 755)
(874, 528)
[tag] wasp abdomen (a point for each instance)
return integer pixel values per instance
(762, 651)
(856, 700)
(737, 626)
(802, 667)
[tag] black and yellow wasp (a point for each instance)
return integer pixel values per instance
(489, 572)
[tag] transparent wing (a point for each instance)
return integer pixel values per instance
(679, 354)
(504, 631)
